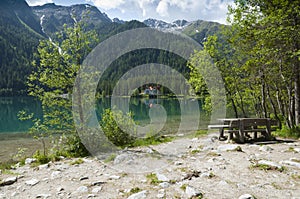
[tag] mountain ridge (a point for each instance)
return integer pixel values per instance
(22, 26)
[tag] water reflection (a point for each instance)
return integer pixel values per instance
(9, 109)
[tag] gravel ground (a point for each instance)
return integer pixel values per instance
(185, 168)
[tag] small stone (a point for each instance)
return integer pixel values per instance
(114, 177)
(205, 175)
(192, 192)
(44, 166)
(14, 194)
(91, 196)
(43, 196)
(82, 189)
(97, 183)
(97, 190)
(295, 159)
(56, 174)
(30, 160)
(291, 163)
(32, 182)
(269, 163)
(8, 181)
(164, 184)
(297, 150)
(229, 147)
(178, 163)
(59, 189)
(246, 196)
(266, 148)
(161, 193)
(207, 148)
(139, 195)
(83, 178)
(162, 177)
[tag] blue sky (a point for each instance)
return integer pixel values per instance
(167, 10)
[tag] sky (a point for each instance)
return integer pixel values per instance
(166, 10)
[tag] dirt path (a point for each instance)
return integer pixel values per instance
(184, 168)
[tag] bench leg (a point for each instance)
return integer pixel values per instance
(255, 136)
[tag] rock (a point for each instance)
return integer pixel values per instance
(192, 192)
(91, 196)
(162, 177)
(82, 189)
(122, 158)
(270, 164)
(32, 182)
(297, 150)
(44, 166)
(114, 177)
(207, 148)
(295, 160)
(291, 163)
(178, 163)
(266, 148)
(97, 190)
(139, 195)
(83, 178)
(59, 189)
(43, 196)
(56, 174)
(8, 181)
(161, 193)
(229, 147)
(164, 184)
(246, 196)
(30, 160)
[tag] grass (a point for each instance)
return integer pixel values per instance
(77, 161)
(152, 140)
(286, 132)
(135, 190)
(152, 179)
(265, 167)
(110, 158)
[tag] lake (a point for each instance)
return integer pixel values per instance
(13, 132)
(140, 107)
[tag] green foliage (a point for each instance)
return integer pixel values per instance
(51, 81)
(121, 133)
(151, 140)
(287, 132)
(41, 158)
(135, 190)
(77, 161)
(152, 179)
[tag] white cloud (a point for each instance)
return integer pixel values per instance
(107, 4)
(38, 2)
(163, 8)
(168, 10)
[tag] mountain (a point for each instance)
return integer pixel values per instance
(19, 36)
(22, 26)
(162, 25)
(53, 17)
(200, 30)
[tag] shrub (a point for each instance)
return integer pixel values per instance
(121, 133)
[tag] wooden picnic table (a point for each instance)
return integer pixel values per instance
(241, 127)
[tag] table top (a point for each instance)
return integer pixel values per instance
(237, 119)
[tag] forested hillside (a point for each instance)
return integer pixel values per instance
(22, 27)
(19, 37)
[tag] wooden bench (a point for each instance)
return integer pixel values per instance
(240, 127)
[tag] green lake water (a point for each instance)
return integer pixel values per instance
(140, 107)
